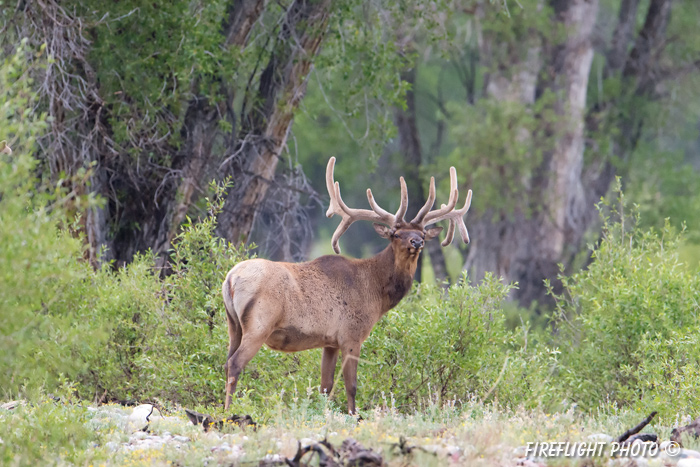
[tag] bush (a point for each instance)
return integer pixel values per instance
(38, 329)
(629, 323)
(442, 345)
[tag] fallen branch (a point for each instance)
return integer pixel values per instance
(208, 421)
(633, 431)
(692, 429)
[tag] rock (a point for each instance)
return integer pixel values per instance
(112, 446)
(12, 405)
(643, 438)
(530, 463)
(141, 416)
(274, 459)
(639, 461)
(181, 439)
(222, 447)
(600, 437)
(235, 450)
(454, 453)
(688, 454)
(520, 452)
(664, 444)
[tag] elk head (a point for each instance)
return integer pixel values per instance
(407, 238)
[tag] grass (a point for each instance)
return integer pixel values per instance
(71, 432)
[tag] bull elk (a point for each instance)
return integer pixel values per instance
(331, 302)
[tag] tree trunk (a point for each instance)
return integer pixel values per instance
(638, 72)
(500, 240)
(526, 245)
(266, 126)
(200, 127)
(617, 53)
(563, 191)
(412, 156)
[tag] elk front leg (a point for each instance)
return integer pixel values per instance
(351, 357)
(328, 361)
(237, 362)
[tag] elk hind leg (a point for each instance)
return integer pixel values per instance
(235, 333)
(249, 346)
(328, 361)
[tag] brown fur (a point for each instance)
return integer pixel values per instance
(331, 302)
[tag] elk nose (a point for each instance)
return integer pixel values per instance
(417, 243)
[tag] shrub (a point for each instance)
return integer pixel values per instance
(629, 322)
(38, 329)
(450, 345)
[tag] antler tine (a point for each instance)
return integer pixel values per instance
(439, 214)
(450, 233)
(456, 218)
(350, 215)
(404, 201)
(339, 231)
(375, 207)
(428, 204)
(333, 206)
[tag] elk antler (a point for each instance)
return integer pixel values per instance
(426, 217)
(350, 215)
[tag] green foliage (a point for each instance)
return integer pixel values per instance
(449, 345)
(102, 329)
(147, 55)
(46, 433)
(184, 356)
(38, 328)
(500, 144)
(628, 323)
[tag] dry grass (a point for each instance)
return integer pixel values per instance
(451, 434)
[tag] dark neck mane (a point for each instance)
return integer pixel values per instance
(393, 276)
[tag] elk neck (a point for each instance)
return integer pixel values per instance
(393, 275)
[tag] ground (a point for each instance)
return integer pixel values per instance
(55, 432)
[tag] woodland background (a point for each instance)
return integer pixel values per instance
(156, 142)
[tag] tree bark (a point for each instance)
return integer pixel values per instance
(637, 70)
(562, 194)
(500, 241)
(412, 156)
(526, 245)
(564, 198)
(617, 53)
(266, 126)
(200, 127)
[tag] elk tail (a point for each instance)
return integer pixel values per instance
(235, 331)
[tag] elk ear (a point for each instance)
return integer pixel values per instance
(382, 230)
(432, 232)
